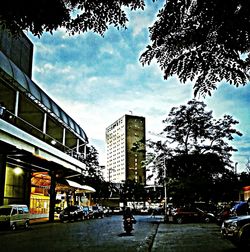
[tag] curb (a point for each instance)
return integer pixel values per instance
(42, 221)
(147, 244)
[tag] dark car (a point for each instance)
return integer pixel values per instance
(237, 230)
(191, 214)
(117, 210)
(86, 212)
(236, 209)
(97, 212)
(57, 210)
(107, 211)
(240, 208)
(71, 213)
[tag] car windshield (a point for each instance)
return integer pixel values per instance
(72, 208)
(5, 211)
(25, 210)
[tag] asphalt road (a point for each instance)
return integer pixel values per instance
(107, 234)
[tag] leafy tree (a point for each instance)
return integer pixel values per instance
(244, 179)
(75, 16)
(196, 152)
(93, 175)
(92, 162)
(139, 146)
(196, 131)
(202, 40)
(132, 191)
(227, 187)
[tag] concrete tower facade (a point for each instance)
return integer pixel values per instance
(125, 139)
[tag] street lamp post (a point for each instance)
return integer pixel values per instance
(165, 191)
(165, 188)
(235, 167)
(164, 184)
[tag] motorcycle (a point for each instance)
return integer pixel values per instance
(128, 224)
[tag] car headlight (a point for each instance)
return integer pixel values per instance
(233, 226)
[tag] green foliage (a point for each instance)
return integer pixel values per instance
(205, 41)
(244, 179)
(197, 132)
(139, 146)
(93, 175)
(132, 191)
(195, 154)
(92, 163)
(76, 16)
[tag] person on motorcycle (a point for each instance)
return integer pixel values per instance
(128, 220)
(127, 213)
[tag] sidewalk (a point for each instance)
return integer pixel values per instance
(149, 242)
(159, 241)
(42, 220)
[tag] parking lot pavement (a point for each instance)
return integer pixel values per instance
(189, 238)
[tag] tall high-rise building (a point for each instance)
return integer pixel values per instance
(125, 141)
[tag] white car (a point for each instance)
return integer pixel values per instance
(14, 216)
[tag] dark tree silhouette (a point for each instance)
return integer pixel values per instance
(206, 41)
(76, 16)
(196, 154)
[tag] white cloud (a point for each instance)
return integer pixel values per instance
(139, 23)
(98, 80)
(108, 49)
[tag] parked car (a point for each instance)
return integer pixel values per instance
(57, 210)
(97, 211)
(107, 211)
(91, 213)
(237, 230)
(206, 207)
(191, 214)
(234, 209)
(144, 210)
(71, 213)
(86, 212)
(14, 216)
(117, 210)
(240, 208)
(224, 214)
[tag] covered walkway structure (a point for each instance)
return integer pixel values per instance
(36, 134)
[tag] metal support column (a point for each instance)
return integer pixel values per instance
(2, 176)
(52, 196)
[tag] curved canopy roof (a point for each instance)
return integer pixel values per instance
(84, 188)
(27, 85)
(42, 179)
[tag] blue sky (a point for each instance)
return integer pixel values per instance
(97, 80)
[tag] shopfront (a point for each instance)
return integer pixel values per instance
(67, 193)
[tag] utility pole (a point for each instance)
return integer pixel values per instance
(165, 187)
(235, 167)
(248, 165)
